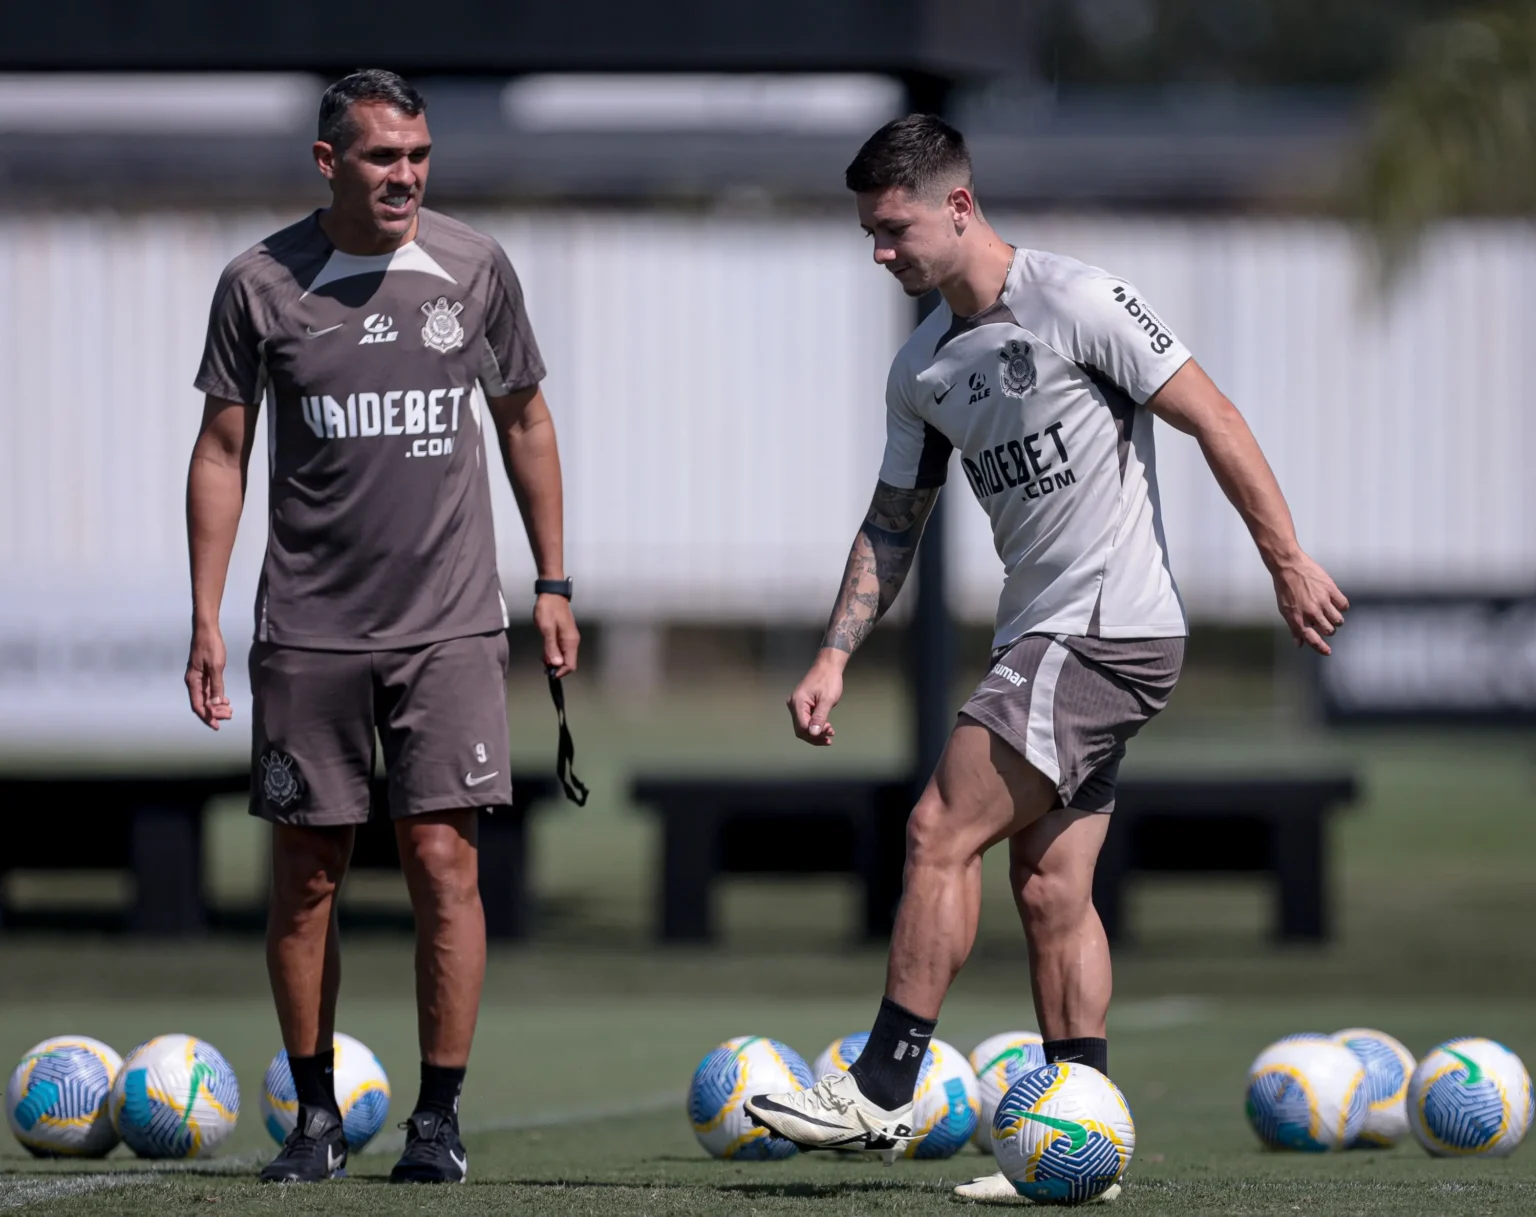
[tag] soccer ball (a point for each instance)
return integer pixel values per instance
(839, 1054)
(1063, 1134)
(1307, 1093)
(1388, 1066)
(945, 1106)
(56, 1100)
(1470, 1097)
(998, 1062)
(175, 1097)
(362, 1093)
(728, 1076)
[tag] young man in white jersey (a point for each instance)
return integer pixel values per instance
(1046, 374)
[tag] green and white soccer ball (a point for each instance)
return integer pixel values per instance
(1307, 1093)
(1063, 1134)
(362, 1093)
(175, 1097)
(1470, 1098)
(56, 1101)
(998, 1062)
(1388, 1066)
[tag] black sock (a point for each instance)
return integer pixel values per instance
(887, 1069)
(314, 1080)
(1088, 1051)
(440, 1086)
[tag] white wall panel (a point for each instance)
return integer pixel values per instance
(717, 384)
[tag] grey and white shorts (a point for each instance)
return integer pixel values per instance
(1068, 705)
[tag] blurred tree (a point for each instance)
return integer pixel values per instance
(1455, 129)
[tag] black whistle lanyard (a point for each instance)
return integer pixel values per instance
(565, 755)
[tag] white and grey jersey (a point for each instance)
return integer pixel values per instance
(1044, 393)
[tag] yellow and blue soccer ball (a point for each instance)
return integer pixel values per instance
(57, 1098)
(726, 1078)
(1388, 1066)
(1063, 1134)
(1470, 1098)
(945, 1105)
(175, 1097)
(362, 1093)
(841, 1053)
(1307, 1093)
(998, 1062)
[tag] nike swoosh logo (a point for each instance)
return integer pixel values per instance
(1061, 1060)
(1074, 1130)
(938, 397)
(918, 1035)
(471, 780)
(461, 1163)
(1474, 1070)
(313, 333)
(331, 1160)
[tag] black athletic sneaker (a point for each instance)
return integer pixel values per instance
(315, 1150)
(433, 1151)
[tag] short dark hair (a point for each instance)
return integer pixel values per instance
(917, 153)
(371, 84)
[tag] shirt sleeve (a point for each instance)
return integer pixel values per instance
(916, 452)
(1117, 333)
(511, 359)
(232, 364)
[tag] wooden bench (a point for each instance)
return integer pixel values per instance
(713, 827)
(153, 826)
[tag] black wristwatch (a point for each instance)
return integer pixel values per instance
(552, 587)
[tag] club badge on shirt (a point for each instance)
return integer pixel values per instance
(1018, 368)
(442, 331)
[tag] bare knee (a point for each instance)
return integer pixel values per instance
(1050, 902)
(442, 862)
(307, 868)
(935, 838)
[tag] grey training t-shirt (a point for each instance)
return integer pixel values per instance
(380, 514)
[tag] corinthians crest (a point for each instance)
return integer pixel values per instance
(442, 331)
(1018, 368)
(280, 781)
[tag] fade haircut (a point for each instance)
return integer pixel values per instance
(919, 153)
(337, 126)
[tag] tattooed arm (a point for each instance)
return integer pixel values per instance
(877, 567)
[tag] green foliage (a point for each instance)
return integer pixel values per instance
(1455, 129)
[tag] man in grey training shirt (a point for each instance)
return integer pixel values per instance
(382, 339)
(1045, 374)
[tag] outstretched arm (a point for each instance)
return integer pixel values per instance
(526, 434)
(877, 567)
(1309, 600)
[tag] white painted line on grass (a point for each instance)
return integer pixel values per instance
(393, 1143)
(20, 1193)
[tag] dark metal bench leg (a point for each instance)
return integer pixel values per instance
(1109, 877)
(166, 853)
(1299, 877)
(504, 873)
(687, 868)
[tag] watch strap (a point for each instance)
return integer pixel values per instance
(552, 587)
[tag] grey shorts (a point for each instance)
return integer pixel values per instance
(440, 712)
(1068, 705)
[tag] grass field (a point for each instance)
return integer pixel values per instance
(589, 1036)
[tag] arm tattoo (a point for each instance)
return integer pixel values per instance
(878, 562)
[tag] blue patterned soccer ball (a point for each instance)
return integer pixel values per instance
(1388, 1066)
(1063, 1134)
(998, 1062)
(57, 1099)
(945, 1105)
(1470, 1098)
(837, 1056)
(1307, 1093)
(362, 1093)
(726, 1078)
(175, 1097)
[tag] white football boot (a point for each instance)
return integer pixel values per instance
(834, 1114)
(997, 1189)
